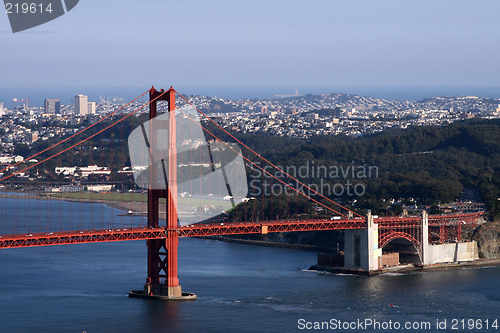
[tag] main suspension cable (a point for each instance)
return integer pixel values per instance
(267, 161)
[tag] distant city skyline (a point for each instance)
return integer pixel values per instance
(37, 95)
(324, 43)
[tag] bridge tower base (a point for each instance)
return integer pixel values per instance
(361, 247)
(162, 282)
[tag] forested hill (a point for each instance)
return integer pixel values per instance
(433, 164)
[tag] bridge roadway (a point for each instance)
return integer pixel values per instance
(212, 229)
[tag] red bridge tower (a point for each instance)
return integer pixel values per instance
(162, 281)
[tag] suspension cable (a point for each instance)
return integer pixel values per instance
(265, 160)
(72, 136)
(90, 137)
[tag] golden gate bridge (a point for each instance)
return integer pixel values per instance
(162, 240)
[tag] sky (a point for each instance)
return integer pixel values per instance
(272, 43)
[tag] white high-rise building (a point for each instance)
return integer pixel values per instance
(1, 109)
(91, 107)
(81, 104)
(52, 106)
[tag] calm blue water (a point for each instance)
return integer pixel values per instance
(241, 288)
(23, 215)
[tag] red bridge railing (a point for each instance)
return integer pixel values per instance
(214, 229)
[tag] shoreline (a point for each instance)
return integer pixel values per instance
(138, 207)
(404, 269)
(270, 244)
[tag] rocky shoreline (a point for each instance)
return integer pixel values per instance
(487, 237)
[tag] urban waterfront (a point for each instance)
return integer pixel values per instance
(240, 288)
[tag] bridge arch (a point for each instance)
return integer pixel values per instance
(388, 237)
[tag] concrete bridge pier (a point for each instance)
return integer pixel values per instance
(361, 249)
(424, 245)
(459, 251)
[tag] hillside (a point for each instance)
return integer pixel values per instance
(431, 164)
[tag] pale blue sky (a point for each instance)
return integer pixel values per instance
(258, 43)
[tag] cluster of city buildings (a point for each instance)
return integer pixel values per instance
(26, 125)
(81, 106)
(78, 177)
(296, 115)
(82, 171)
(334, 114)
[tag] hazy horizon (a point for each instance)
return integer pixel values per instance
(280, 43)
(37, 95)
